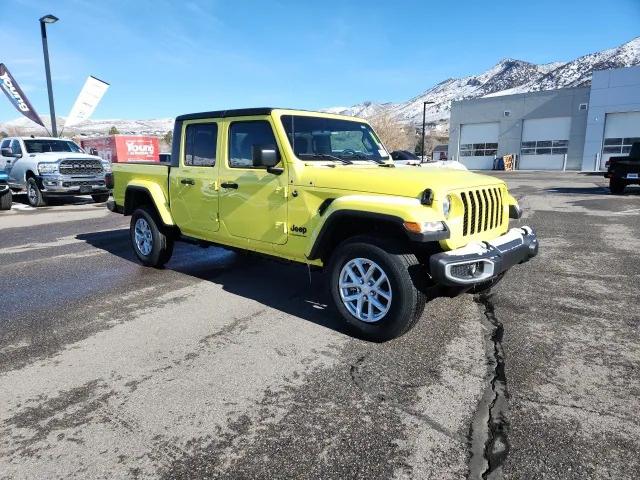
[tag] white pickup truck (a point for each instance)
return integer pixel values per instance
(45, 167)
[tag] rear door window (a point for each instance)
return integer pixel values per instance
(201, 145)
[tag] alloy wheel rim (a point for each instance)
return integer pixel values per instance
(365, 290)
(143, 237)
(31, 192)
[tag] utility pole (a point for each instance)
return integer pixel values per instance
(45, 49)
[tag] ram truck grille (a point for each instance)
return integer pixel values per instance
(482, 210)
(83, 183)
(80, 167)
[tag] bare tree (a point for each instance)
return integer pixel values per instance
(394, 135)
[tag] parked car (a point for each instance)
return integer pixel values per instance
(623, 171)
(5, 192)
(46, 167)
(405, 157)
(320, 190)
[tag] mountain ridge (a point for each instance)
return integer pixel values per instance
(508, 76)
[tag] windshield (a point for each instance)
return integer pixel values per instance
(318, 138)
(43, 146)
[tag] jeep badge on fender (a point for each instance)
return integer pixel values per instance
(299, 230)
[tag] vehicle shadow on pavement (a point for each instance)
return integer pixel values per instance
(595, 190)
(56, 201)
(286, 287)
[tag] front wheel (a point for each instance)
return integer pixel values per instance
(34, 195)
(5, 200)
(373, 285)
(616, 186)
(100, 197)
(152, 247)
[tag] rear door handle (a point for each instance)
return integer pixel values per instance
(229, 185)
(187, 181)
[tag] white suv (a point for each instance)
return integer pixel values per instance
(45, 167)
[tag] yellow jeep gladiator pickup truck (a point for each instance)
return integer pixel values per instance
(320, 189)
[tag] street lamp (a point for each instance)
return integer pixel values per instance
(45, 49)
(424, 115)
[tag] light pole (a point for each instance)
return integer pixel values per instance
(43, 30)
(424, 116)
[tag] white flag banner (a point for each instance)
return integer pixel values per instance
(90, 95)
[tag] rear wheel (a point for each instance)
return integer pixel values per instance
(152, 247)
(373, 285)
(100, 197)
(5, 200)
(34, 195)
(616, 186)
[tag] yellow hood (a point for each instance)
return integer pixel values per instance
(400, 181)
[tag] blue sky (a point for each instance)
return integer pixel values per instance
(166, 57)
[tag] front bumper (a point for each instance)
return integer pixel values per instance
(72, 185)
(479, 262)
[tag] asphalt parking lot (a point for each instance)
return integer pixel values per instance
(226, 366)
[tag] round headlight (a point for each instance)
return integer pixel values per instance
(446, 206)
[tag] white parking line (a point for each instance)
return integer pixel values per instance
(628, 212)
(22, 207)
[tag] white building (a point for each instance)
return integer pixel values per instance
(570, 128)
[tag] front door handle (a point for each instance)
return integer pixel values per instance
(229, 185)
(187, 181)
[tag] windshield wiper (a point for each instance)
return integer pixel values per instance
(379, 161)
(325, 156)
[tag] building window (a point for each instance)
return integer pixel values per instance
(545, 147)
(478, 149)
(619, 145)
(507, 113)
(583, 106)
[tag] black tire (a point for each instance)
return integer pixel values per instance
(404, 273)
(34, 195)
(487, 286)
(616, 186)
(161, 247)
(5, 200)
(100, 197)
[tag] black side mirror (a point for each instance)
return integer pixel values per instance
(6, 152)
(265, 156)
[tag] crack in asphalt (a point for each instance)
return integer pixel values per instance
(488, 434)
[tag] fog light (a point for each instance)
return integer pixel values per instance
(466, 271)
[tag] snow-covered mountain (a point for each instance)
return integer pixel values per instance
(507, 77)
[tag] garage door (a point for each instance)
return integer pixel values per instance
(478, 145)
(621, 130)
(545, 142)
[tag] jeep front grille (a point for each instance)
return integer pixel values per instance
(80, 167)
(482, 210)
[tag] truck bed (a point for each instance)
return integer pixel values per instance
(139, 173)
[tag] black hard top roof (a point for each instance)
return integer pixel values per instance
(239, 112)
